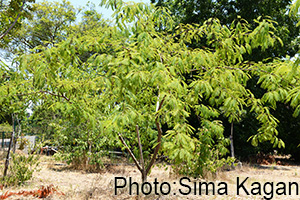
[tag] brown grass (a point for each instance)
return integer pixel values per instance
(78, 184)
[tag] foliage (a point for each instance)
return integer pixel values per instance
(23, 142)
(146, 75)
(190, 11)
(144, 81)
(79, 145)
(5, 127)
(49, 24)
(226, 11)
(12, 13)
(21, 169)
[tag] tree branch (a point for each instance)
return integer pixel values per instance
(158, 137)
(141, 150)
(12, 25)
(57, 95)
(130, 153)
(46, 92)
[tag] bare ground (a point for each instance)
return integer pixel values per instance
(82, 185)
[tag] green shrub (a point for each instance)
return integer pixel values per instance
(82, 160)
(23, 143)
(21, 169)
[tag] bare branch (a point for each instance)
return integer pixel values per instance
(46, 92)
(57, 95)
(141, 149)
(12, 25)
(130, 153)
(158, 137)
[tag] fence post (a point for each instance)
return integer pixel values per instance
(3, 139)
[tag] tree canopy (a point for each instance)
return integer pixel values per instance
(140, 79)
(12, 13)
(226, 11)
(49, 24)
(251, 11)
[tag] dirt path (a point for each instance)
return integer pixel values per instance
(81, 185)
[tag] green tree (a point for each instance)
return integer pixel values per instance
(52, 23)
(48, 25)
(11, 14)
(227, 11)
(143, 81)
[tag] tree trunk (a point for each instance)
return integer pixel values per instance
(231, 141)
(9, 148)
(89, 153)
(159, 136)
(231, 145)
(143, 170)
(144, 176)
(17, 134)
(89, 143)
(141, 165)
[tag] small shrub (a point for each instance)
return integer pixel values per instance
(86, 162)
(23, 143)
(203, 164)
(20, 169)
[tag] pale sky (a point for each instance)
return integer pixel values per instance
(105, 12)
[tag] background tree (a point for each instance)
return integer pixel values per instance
(12, 13)
(226, 12)
(48, 25)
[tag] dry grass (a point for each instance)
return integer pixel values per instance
(78, 184)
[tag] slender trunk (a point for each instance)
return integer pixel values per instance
(231, 145)
(89, 150)
(3, 135)
(143, 171)
(136, 162)
(231, 141)
(15, 21)
(141, 165)
(159, 136)
(89, 153)
(9, 148)
(17, 134)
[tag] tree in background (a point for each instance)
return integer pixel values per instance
(46, 23)
(49, 24)
(12, 13)
(226, 11)
(285, 27)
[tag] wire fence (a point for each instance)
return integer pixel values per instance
(5, 139)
